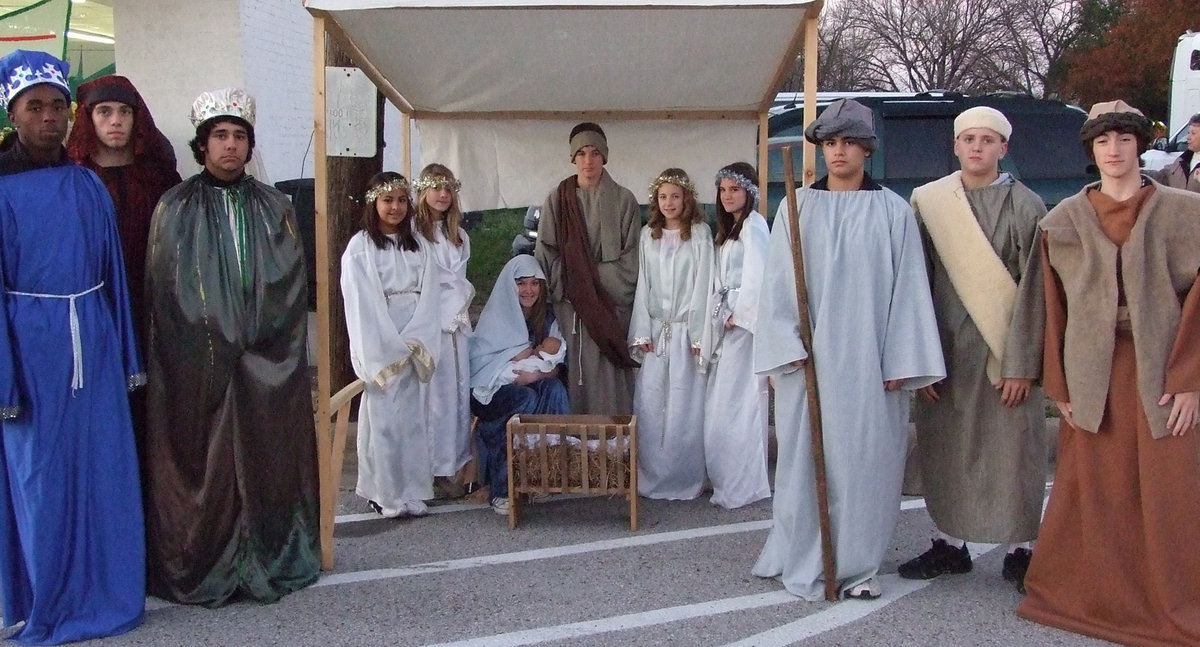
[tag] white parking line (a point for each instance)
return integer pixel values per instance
(835, 616)
(543, 553)
(648, 539)
(627, 621)
(555, 551)
(908, 504)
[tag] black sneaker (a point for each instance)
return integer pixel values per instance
(1016, 564)
(942, 559)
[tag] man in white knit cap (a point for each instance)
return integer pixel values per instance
(980, 432)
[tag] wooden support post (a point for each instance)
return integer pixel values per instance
(406, 142)
(810, 95)
(320, 190)
(764, 170)
(338, 186)
(347, 180)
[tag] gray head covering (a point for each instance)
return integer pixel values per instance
(844, 118)
(501, 332)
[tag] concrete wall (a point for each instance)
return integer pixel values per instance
(173, 50)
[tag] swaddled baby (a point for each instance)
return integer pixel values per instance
(542, 359)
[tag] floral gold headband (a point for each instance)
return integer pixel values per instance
(680, 181)
(741, 180)
(436, 182)
(387, 187)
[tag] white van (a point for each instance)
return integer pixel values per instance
(1185, 81)
(1184, 102)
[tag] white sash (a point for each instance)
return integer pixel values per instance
(980, 278)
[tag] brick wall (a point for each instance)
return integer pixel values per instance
(173, 50)
(277, 62)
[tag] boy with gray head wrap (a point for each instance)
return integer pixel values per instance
(845, 118)
(874, 339)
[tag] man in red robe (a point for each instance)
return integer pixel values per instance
(114, 136)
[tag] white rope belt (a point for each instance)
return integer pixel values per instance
(664, 333)
(76, 343)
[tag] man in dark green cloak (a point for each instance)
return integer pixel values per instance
(231, 478)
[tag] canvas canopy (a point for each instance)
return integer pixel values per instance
(495, 87)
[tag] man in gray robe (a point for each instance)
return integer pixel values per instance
(1184, 171)
(588, 247)
(874, 340)
(981, 443)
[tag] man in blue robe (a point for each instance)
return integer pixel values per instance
(72, 560)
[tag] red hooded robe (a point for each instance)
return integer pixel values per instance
(135, 188)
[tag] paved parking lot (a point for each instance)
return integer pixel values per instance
(573, 574)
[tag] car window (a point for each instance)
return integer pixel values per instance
(918, 147)
(1179, 142)
(1055, 151)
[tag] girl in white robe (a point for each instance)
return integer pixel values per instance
(391, 293)
(735, 409)
(674, 280)
(438, 219)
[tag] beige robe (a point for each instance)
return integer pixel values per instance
(983, 465)
(613, 220)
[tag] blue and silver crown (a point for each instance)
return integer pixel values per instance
(23, 69)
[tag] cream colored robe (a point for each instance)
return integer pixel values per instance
(669, 312)
(392, 298)
(872, 321)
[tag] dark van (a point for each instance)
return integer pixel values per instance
(916, 146)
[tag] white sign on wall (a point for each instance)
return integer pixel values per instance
(350, 103)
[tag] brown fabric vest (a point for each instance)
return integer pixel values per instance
(1159, 263)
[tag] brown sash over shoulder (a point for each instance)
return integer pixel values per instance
(581, 280)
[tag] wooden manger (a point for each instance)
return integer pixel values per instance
(572, 454)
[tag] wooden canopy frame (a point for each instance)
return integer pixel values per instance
(327, 27)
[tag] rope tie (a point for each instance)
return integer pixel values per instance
(76, 342)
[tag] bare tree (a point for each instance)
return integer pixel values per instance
(846, 50)
(845, 53)
(939, 44)
(1040, 33)
(972, 46)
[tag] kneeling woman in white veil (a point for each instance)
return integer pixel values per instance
(515, 356)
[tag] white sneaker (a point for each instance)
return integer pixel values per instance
(868, 590)
(499, 504)
(390, 513)
(416, 508)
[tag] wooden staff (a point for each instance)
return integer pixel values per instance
(828, 560)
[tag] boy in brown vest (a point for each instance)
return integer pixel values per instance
(1117, 554)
